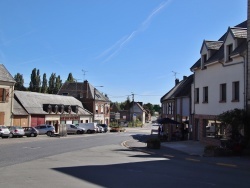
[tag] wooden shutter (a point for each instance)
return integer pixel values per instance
(1, 94)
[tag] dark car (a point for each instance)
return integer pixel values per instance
(30, 131)
(105, 126)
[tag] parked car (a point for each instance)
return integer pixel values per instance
(100, 129)
(49, 130)
(30, 131)
(16, 131)
(72, 129)
(89, 127)
(105, 127)
(4, 131)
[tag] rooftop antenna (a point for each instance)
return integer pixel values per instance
(175, 74)
(84, 73)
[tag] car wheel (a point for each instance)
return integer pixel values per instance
(49, 133)
(32, 135)
(78, 132)
(11, 135)
(88, 131)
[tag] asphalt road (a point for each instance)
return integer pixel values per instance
(100, 160)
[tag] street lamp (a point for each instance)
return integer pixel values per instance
(94, 107)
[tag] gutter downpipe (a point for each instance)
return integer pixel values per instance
(245, 79)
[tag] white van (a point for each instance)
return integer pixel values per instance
(89, 127)
(72, 129)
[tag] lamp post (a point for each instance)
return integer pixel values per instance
(94, 107)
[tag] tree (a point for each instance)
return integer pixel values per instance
(125, 105)
(157, 108)
(58, 84)
(52, 83)
(236, 118)
(149, 107)
(70, 78)
(19, 82)
(44, 87)
(35, 81)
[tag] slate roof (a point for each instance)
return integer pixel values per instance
(239, 31)
(18, 109)
(74, 88)
(33, 102)
(5, 75)
(182, 89)
(213, 45)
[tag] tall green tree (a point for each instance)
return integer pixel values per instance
(70, 78)
(19, 82)
(44, 87)
(58, 84)
(35, 81)
(52, 83)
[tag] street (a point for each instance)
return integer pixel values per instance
(100, 160)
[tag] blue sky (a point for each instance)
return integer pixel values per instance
(127, 46)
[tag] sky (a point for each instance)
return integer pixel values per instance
(129, 47)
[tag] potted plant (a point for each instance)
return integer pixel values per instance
(154, 143)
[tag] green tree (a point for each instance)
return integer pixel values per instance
(237, 119)
(52, 83)
(19, 82)
(44, 87)
(149, 107)
(70, 78)
(58, 84)
(157, 108)
(35, 81)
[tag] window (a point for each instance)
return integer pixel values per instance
(196, 95)
(229, 51)
(96, 108)
(223, 93)
(236, 91)
(204, 59)
(205, 94)
(4, 95)
(102, 109)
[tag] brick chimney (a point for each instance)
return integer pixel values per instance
(177, 81)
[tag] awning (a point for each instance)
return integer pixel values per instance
(167, 121)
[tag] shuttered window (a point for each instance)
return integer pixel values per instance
(4, 95)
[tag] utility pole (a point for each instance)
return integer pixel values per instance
(133, 109)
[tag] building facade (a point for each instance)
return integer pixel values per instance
(7, 83)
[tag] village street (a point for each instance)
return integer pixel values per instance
(101, 160)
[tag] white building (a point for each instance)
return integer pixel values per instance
(219, 82)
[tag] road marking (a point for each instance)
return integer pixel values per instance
(228, 165)
(190, 159)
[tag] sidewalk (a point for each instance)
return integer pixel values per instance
(190, 149)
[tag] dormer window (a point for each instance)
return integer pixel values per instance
(229, 50)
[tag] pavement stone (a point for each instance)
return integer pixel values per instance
(189, 149)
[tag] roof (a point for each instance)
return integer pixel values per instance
(74, 88)
(18, 109)
(33, 102)
(239, 31)
(213, 45)
(5, 75)
(182, 89)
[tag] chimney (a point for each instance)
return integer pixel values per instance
(176, 81)
(184, 77)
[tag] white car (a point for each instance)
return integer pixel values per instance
(4, 131)
(72, 129)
